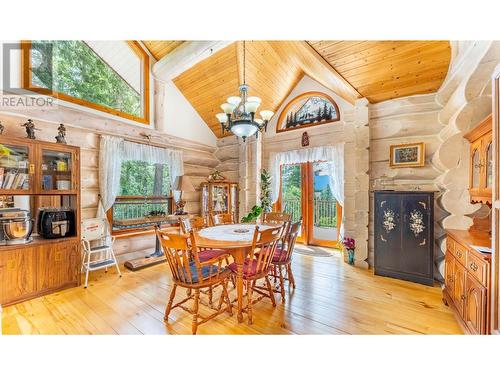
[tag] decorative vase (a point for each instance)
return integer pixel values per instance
(350, 256)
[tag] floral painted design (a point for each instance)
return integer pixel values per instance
(416, 222)
(389, 222)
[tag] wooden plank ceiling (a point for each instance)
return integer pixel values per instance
(160, 48)
(209, 83)
(382, 70)
(377, 70)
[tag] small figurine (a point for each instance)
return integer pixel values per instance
(216, 176)
(61, 134)
(305, 139)
(30, 129)
(1, 128)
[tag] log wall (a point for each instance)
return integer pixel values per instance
(84, 129)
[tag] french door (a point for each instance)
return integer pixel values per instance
(306, 193)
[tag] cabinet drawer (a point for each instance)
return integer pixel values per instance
(477, 267)
(460, 253)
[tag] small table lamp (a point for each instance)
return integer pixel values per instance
(182, 183)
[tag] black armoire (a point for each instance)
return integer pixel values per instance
(404, 235)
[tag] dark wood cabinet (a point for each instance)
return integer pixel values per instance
(467, 279)
(404, 235)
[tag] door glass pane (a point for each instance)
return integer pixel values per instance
(475, 169)
(219, 198)
(291, 191)
(489, 166)
(234, 201)
(56, 170)
(14, 164)
(204, 200)
(325, 205)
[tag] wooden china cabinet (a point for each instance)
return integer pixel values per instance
(481, 161)
(219, 197)
(467, 288)
(41, 174)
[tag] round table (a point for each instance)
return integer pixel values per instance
(235, 239)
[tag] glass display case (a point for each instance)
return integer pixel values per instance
(481, 161)
(56, 170)
(36, 167)
(16, 167)
(219, 197)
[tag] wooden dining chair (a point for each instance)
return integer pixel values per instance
(276, 217)
(221, 219)
(257, 266)
(188, 224)
(189, 272)
(282, 259)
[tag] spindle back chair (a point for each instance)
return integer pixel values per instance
(258, 264)
(189, 272)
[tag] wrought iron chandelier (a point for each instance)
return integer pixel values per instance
(239, 112)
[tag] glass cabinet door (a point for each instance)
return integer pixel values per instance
(234, 202)
(476, 166)
(204, 200)
(220, 198)
(489, 165)
(16, 170)
(56, 170)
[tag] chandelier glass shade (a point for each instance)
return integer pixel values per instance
(239, 112)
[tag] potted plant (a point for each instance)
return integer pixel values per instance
(265, 191)
(253, 215)
(349, 245)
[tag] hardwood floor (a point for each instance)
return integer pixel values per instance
(331, 298)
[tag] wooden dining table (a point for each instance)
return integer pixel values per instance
(234, 241)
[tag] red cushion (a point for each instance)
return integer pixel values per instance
(278, 256)
(210, 254)
(249, 268)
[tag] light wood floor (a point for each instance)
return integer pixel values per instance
(331, 298)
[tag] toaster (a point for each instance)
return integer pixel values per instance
(56, 222)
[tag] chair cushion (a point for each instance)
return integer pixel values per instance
(210, 254)
(277, 256)
(249, 268)
(206, 272)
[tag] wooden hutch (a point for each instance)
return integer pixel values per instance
(467, 270)
(49, 177)
(219, 197)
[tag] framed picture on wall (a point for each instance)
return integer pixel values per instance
(407, 155)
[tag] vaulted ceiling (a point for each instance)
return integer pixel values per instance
(160, 48)
(377, 70)
(382, 70)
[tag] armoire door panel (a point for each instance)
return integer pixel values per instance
(388, 231)
(417, 230)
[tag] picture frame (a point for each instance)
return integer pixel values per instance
(407, 155)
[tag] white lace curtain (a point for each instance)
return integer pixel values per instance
(332, 154)
(114, 150)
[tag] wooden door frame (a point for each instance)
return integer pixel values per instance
(307, 207)
(303, 238)
(495, 238)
